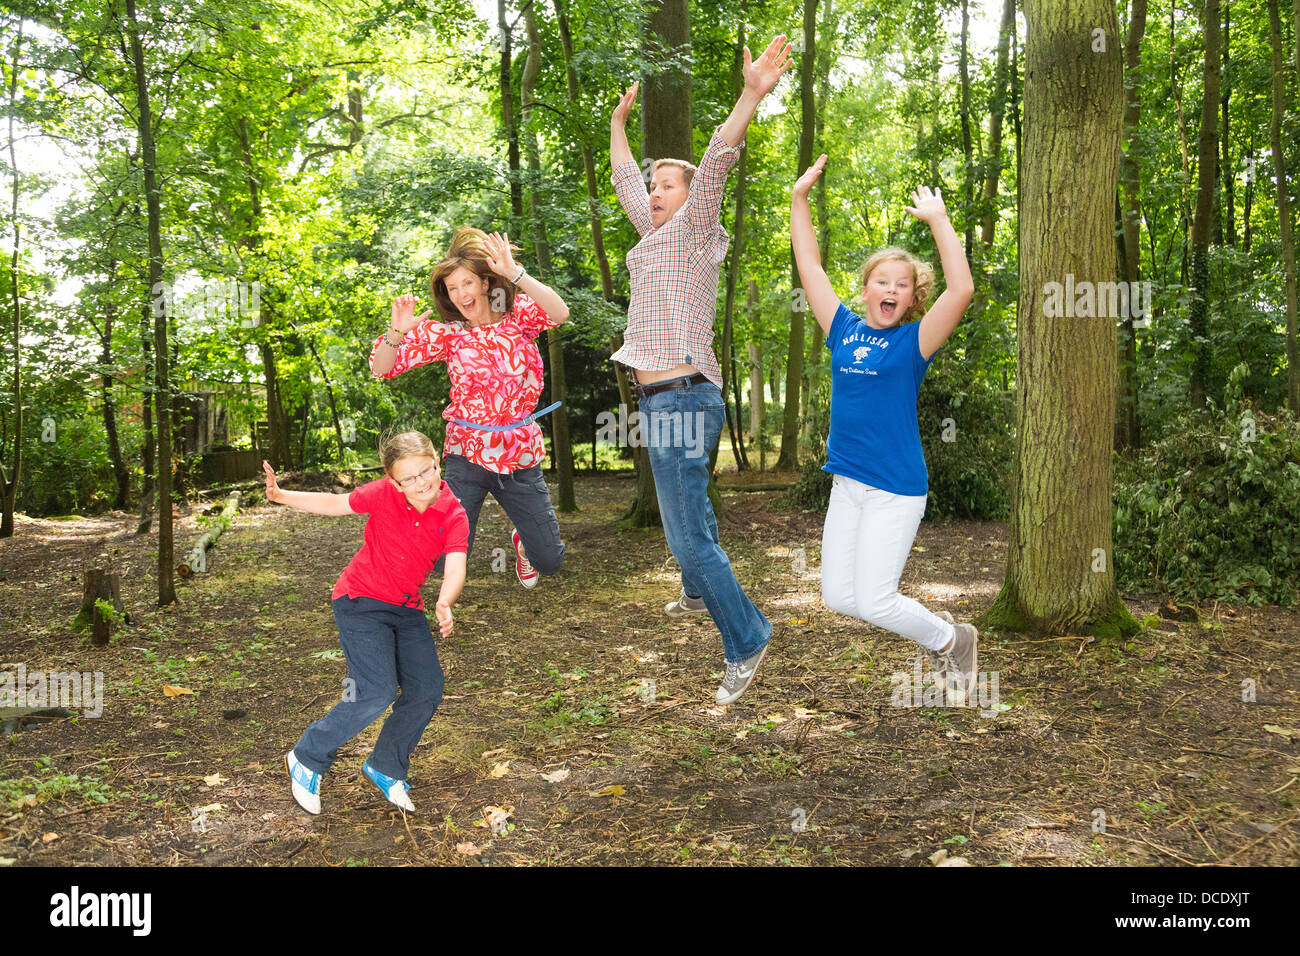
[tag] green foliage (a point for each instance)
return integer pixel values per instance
(1211, 512)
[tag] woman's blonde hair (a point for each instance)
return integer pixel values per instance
(393, 447)
(469, 250)
(922, 278)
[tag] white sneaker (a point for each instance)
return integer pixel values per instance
(395, 790)
(738, 677)
(305, 784)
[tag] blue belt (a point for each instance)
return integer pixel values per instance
(505, 428)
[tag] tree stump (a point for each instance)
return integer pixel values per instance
(100, 585)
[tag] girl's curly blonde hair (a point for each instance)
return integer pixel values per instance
(922, 278)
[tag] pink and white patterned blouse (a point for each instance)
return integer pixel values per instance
(496, 379)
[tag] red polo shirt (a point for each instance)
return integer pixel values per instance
(401, 545)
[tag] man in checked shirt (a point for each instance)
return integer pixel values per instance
(669, 347)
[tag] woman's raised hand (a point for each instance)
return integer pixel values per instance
(404, 317)
(761, 75)
(619, 116)
(803, 186)
(272, 489)
(929, 206)
(499, 258)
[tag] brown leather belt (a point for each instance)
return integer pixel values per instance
(645, 391)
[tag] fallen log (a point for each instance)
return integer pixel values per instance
(196, 561)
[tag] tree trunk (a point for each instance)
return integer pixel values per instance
(1207, 156)
(968, 173)
(561, 444)
(594, 203)
(813, 360)
(99, 585)
(120, 474)
(665, 133)
(789, 458)
(1127, 428)
(166, 582)
(9, 477)
(729, 376)
(1060, 569)
(997, 106)
(1225, 166)
(508, 118)
(1284, 206)
(147, 450)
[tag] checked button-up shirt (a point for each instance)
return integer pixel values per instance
(674, 268)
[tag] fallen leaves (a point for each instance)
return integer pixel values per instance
(1281, 731)
(500, 769)
(613, 790)
(468, 849)
(49, 837)
(215, 780)
(171, 690)
(556, 776)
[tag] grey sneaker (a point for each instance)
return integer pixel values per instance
(685, 606)
(958, 666)
(738, 677)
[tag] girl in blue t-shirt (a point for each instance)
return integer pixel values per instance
(874, 446)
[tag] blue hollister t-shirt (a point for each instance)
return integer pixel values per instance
(875, 378)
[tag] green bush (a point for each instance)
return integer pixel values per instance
(1213, 510)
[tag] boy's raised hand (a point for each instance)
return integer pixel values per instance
(803, 186)
(443, 612)
(619, 117)
(761, 75)
(404, 317)
(272, 489)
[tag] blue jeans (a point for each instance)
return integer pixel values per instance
(681, 427)
(525, 499)
(387, 647)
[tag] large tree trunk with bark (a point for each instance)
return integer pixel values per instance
(1060, 569)
(789, 458)
(162, 363)
(1284, 202)
(1207, 157)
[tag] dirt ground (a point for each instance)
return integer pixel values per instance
(553, 746)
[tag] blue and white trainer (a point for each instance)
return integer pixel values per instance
(395, 790)
(305, 783)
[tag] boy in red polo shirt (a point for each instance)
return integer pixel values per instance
(385, 635)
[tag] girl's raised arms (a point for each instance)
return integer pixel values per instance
(938, 323)
(807, 256)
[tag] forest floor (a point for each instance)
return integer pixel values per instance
(552, 745)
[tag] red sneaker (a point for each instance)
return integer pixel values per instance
(526, 573)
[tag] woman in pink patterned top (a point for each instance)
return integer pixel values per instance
(491, 313)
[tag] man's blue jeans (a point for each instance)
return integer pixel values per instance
(387, 646)
(681, 427)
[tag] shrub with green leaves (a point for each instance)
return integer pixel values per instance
(1213, 510)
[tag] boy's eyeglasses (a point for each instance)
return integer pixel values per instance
(410, 480)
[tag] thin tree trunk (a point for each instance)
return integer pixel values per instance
(789, 458)
(1127, 427)
(561, 445)
(1226, 173)
(166, 581)
(1060, 567)
(729, 376)
(1284, 206)
(9, 478)
(968, 174)
(1207, 156)
(147, 444)
(120, 475)
(508, 117)
(997, 106)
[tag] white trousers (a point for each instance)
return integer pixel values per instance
(865, 543)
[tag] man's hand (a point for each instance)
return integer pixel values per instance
(929, 206)
(618, 120)
(273, 492)
(761, 75)
(442, 610)
(803, 186)
(404, 317)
